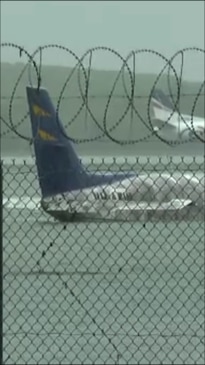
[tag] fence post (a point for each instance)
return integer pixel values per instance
(1, 262)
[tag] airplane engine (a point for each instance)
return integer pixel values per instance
(200, 132)
(192, 188)
(192, 134)
(141, 190)
(153, 188)
(164, 188)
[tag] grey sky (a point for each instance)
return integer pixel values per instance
(165, 26)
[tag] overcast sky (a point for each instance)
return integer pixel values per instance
(165, 26)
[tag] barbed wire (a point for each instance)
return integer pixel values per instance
(101, 96)
(129, 93)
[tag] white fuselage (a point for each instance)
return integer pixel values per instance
(138, 195)
(178, 127)
(156, 188)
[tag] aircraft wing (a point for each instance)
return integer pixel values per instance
(112, 210)
(145, 211)
(113, 206)
(175, 204)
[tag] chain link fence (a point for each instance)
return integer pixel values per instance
(124, 291)
(104, 286)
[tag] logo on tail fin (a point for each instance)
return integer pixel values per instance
(40, 112)
(46, 136)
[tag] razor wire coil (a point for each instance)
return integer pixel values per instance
(129, 95)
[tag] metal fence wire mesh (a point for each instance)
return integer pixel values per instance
(119, 278)
(129, 290)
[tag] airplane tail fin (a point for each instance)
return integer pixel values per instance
(161, 106)
(59, 168)
(161, 100)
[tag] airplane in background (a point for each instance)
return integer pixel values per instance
(69, 191)
(172, 125)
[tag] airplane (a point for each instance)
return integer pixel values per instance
(70, 192)
(172, 125)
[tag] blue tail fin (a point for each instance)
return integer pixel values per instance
(55, 157)
(162, 99)
(59, 168)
